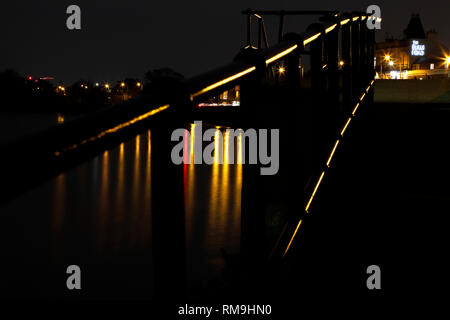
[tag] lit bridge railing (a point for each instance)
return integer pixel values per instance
(341, 51)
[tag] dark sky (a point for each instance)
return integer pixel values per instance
(126, 38)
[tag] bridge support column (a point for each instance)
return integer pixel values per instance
(255, 103)
(331, 45)
(168, 218)
(321, 110)
(371, 61)
(363, 61)
(346, 68)
(355, 43)
(293, 130)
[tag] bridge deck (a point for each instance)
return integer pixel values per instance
(385, 202)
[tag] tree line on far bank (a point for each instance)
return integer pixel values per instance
(26, 94)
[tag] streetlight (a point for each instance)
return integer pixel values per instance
(387, 58)
(281, 70)
(447, 61)
(122, 85)
(391, 63)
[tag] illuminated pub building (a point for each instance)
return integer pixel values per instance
(418, 55)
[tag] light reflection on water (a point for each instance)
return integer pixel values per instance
(110, 198)
(213, 211)
(101, 211)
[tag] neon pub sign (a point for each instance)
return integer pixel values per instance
(417, 49)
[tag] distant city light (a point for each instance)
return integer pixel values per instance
(341, 63)
(96, 84)
(138, 84)
(122, 84)
(107, 86)
(30, 78)
(281, 70)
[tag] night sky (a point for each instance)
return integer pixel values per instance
(126, 38)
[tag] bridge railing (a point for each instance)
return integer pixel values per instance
(340, 48)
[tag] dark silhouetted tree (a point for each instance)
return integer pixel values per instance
(162, 81)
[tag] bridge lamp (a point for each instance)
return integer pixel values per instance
(391, 63)
(387, 57)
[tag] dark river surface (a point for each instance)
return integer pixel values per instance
(98, 215)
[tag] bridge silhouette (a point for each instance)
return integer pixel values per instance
(339, 198)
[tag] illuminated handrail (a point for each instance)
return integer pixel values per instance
(222, 82)
(113, 129)
(224, 78)
(327, 165)
(281, 54)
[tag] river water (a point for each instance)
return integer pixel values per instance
(98, 215)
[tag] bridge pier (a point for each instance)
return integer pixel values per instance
(168, 218)
(322, 112)
(355, 58)
(346, 68)
(331, 44)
